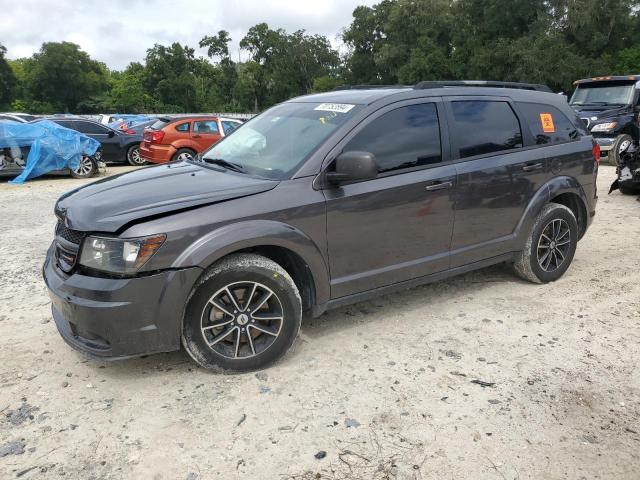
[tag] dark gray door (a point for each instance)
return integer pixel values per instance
(397, 226)
(111, 149)
(496, 176)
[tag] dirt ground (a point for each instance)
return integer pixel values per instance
(385, 387)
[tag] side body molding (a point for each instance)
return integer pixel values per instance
(258, 233)
(554, 187)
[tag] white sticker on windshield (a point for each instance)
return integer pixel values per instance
(334, 107)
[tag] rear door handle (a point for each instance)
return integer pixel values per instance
(532, 167)
(196, 136)
(438, 186)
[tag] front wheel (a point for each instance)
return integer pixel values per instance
(550, 247)
(243, 315)
(133, 156)
(86, 168)
(622, 143)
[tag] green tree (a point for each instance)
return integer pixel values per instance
(64, 77)
(8, 81)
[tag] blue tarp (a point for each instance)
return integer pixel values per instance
(130, 119)
(52, 147)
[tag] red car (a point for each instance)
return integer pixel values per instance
(182, 138)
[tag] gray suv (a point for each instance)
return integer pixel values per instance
(319, 202)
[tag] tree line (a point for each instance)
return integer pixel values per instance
(393, 42)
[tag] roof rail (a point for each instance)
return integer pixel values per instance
(481, 83)
(366, 87)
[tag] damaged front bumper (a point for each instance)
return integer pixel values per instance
(114, 318)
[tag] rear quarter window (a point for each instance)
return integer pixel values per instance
(182, 127)
(548, 124)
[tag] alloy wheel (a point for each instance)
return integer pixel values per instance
(554, 245)
(184, 156)
(85, 167)
(134, 156)
(242, 320)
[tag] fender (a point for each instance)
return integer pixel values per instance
(184, 143)
(258, 233)
(554, 187)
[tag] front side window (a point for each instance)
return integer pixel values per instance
(277, 142)
(482, 127)
(206, 127)
(406, 137)
(548, 124)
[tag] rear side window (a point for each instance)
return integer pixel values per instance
(206, 126)
(183, 127)
(407, 137)
(482, 127)
(90, 128)
(548, 124)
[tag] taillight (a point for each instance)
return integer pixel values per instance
(596, 153)
(157, 136)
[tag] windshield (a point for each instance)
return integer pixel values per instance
(275, 144)
(603, 94)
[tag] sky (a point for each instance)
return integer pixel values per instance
(118, 32)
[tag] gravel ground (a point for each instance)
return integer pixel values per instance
(385, 388)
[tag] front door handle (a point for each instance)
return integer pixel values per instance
(532, 167)
(438, 186)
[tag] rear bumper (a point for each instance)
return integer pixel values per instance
(119, 318)
(156, 153)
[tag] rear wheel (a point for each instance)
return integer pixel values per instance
(550, 247)
(243, 315)
(86, 168)
(133, 156)
(183, 154)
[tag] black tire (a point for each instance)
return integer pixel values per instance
(618, 145)
(220, 337)
(133, 156)
(530, 263)
(86, 169)
(183, 154)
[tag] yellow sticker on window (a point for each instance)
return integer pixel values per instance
(546, 119)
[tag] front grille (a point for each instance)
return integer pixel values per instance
(69, 235)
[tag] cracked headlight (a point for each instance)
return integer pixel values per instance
(120, 256)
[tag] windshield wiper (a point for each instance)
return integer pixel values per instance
(223, 163)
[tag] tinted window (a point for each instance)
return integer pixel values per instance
(548, 124)
(482, 127)
(66, 124)
(183, 127)
(90, 128)
(205, 126)
(403, 138)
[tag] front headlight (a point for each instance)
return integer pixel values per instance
(604, 127)
(119, 256)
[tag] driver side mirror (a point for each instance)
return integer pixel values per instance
(353, 166)
(111, 134)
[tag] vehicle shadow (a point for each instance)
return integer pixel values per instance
(335, 322)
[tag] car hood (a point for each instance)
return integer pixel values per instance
(110, 204)
(600, 111)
